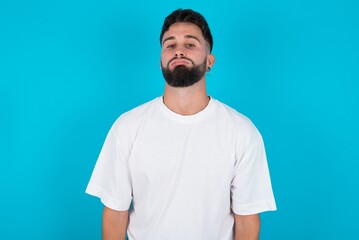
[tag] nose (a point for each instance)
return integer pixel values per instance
(179, 52)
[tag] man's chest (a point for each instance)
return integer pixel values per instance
(184, 157)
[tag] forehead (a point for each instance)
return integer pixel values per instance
(182, 29)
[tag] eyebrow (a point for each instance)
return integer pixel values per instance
(186, 36)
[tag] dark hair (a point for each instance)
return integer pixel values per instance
(189, 16)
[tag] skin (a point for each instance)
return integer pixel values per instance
(114, 224)
(246, 227)
(182, 44)
(185, 40)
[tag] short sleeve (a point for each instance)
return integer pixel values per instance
(110, 180)
(251, 189)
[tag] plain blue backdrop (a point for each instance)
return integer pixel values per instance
(68, 69)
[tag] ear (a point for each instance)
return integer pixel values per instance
(210, 60)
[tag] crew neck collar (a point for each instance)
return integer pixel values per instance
(186, 119)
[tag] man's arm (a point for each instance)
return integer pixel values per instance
(246, 227)
(114, 224)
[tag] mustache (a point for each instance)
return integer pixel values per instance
(176, 58)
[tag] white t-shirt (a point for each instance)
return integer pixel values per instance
(184, 175)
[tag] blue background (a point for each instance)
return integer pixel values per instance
(68, 69)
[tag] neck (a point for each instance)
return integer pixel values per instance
(187, 100)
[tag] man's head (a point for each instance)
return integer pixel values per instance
(188, 16)
(186, 48)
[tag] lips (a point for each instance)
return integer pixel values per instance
(179, 61)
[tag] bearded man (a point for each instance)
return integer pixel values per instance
(183, 166)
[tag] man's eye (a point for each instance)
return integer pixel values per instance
(171, 46)
(190, 45)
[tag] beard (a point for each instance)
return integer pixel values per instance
(181, 76)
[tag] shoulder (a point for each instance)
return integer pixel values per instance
(241, 125)
(134, 117)
(138, 111)
(232, 116)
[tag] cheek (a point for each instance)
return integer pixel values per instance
(163, 64)
(164, 58)
(201, 58)
(198, 54)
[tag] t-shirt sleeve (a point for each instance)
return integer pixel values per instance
(251, 189)
(110, 180)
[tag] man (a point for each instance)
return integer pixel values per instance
(183, 166)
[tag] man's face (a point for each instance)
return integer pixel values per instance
(185, 55)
